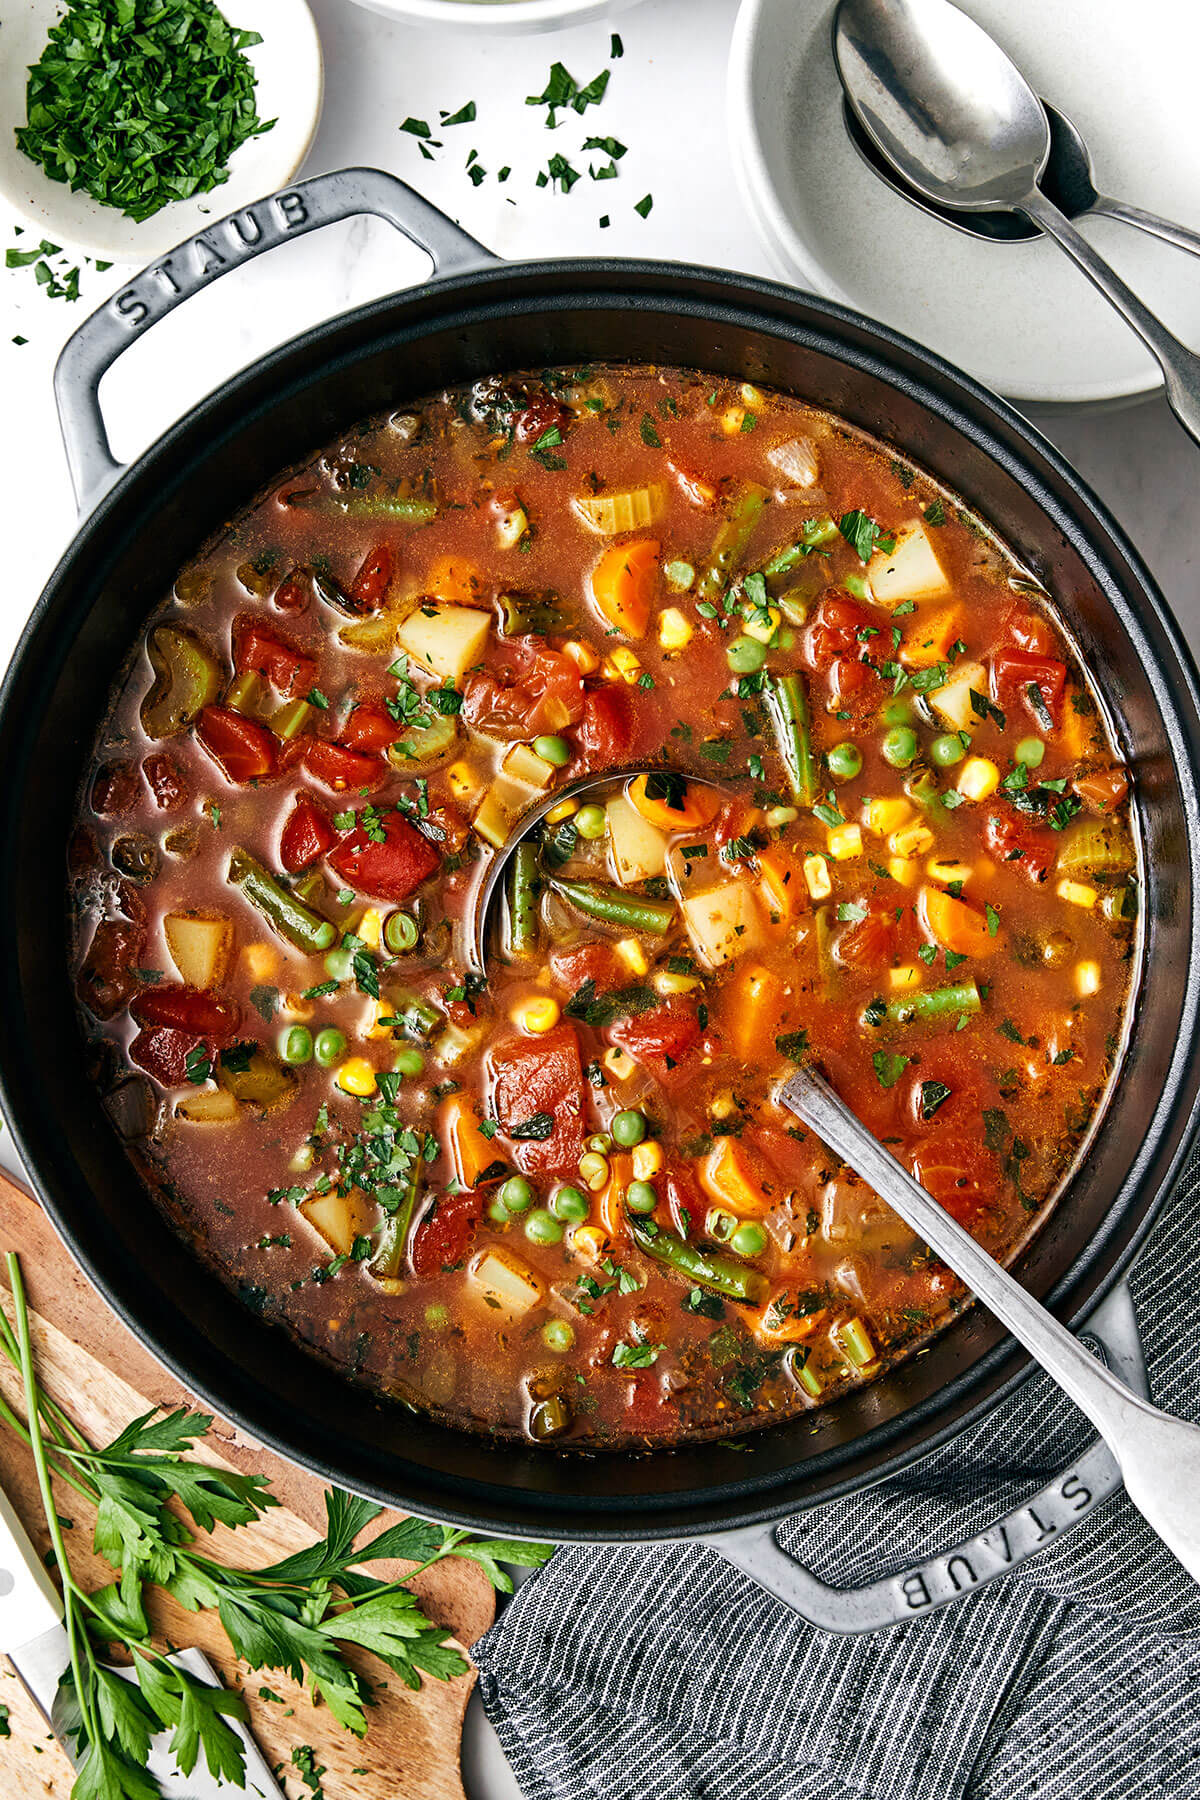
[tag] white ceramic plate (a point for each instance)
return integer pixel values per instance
(289, 78)
(1018, 316)
(496, 15)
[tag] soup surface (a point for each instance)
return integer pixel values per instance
(883, 827)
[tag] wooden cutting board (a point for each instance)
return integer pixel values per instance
(102, 1376)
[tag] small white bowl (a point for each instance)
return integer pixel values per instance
(1018, 316)
(289, 80)
(496, 15)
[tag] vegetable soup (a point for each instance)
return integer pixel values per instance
(879, 823)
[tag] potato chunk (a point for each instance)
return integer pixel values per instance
(722, 922)
(911, 571)
(953, 701)
(637, 849)
(446, 640)
(200, 946)
(505, 1282)
(339, 1218)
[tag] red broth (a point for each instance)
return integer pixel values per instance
(562, 1201)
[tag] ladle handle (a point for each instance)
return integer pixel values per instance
(1183, 238)
(1180, 366)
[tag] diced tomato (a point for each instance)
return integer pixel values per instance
(368, 590)
(607, 734)
(258, 651)
(853, 683)
(597, 961)
(527, 690)
(443, 1236)
(731, 822)
(833, 632)
(242, 749)
(186, 1009)
(1102, 789)
(115, 788)
(106, 981)
(162, 1051)
(1031, 632)
(166, 781)
(959, 1173)
(338, 768)
(659, 1040)
(390, 869)
(685, 1202)
(294, 592)
(868, 943)
(369, 728)
(1014, 672)
(1030, 848)
(542, 412)
(541, 1075)
(307, 834)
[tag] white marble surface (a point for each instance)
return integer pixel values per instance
(665, 102)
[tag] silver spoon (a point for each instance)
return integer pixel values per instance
(955, 116)
(1068, 180)
(1159, 1457)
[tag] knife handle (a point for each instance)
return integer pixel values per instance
(30, 1604)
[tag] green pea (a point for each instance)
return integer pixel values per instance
(591, 821)
(557, 1335)
(498, 1213)
(437, 1316)
(628, 1129)
(845, 761)
(516, 1194)
(541, 1227)
(571, 1205)
(1030, 751)
(899, 746)
(745, 655)
(748, 1240)
(329, 1046)
(897, 712)
(554, 750)
(641, 1197)
(296, 1044)
(409, 1062)
(340, 964)
(400, 933)
(946, 750)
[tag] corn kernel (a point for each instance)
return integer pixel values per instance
(761, 629)
(618, 1063)
(844, 842)
(979, 778)
(594, 1169)
(356, 1076)
(674, 629)
(945, 870)
(904, 870)
(752, 396)
(816, 875)
(622, 665)
(779, 816)
(461, 777)
(732, 420)
(1087, 979)
(562, 811)
(511, 527)
(633, 956)
(391, 1284)
(583, 656)
(263, 963)
(903, 979)
(537, 1015)
(722, 1104)
(667, 982)
(381, 1016)
(647, 1160)
(1077, 893)
(884, 816)
(370, 927)
(590, 1242)
(911, 840)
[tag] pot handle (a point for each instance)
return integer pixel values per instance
(224, 245)
(1112, 1334)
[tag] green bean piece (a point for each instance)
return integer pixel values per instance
(384, 506)
(298, 923)
(599, 901)
(706, 1268)
(244, 693)
(262, 1080)
(731, 542)
(417, 1016)
(290, 720)
(522, 614)
(524, 892)
(787, 704)
(934, 1004)
(390, 1252)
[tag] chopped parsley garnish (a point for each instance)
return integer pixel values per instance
(933, 1095)
(864, 536)
(889, 1067)
(793, 1045)
(649, 433)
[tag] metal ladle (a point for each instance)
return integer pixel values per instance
(1068, 180)
(956, 118)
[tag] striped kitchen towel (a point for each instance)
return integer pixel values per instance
(662, 1673)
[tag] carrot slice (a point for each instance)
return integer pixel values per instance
(698, 806)
(470, 1151)
(728, 1177)
(454, 578)
(625, 583)
(957, 926)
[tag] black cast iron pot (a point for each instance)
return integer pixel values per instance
(480, 317)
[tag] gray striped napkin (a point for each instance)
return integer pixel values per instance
(662, 1673)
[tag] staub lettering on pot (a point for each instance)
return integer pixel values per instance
(207, 255)
(981, 1558)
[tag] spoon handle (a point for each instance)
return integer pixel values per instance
(1159, 1456)
(1180, 366)
(1183, 239)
